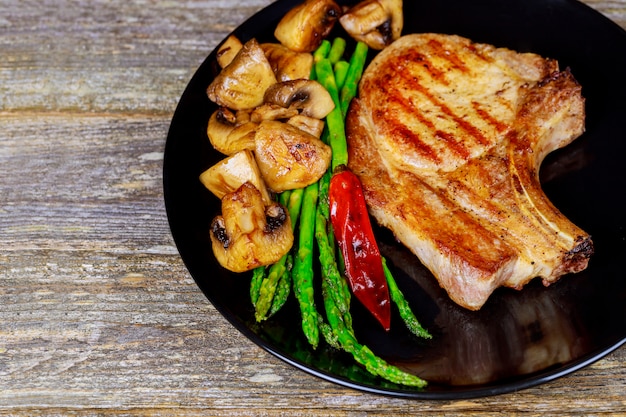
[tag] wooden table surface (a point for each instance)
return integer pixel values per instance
(98, 314)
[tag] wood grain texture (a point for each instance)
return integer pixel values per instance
(98, 314)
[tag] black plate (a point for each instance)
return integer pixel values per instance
(518, 339)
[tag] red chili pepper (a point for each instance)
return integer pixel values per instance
(353, 231)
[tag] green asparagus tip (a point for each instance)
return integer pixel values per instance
(407, 315)
(337, 49)
(322, 51)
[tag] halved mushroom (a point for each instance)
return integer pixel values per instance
(287, 64)
(307, 95)
(232, 172)
(227, 135)
(374, 22)
(308, 124)
(249, 234)
(303, 28)
(228, 50)
(289, 157)
(242, 83)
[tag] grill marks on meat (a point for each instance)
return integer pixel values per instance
(462, 94)
(447, 137)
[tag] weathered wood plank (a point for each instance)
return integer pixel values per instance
(108, 56)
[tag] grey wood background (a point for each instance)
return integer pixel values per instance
(98, 315)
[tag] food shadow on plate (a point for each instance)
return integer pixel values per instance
(516, 333)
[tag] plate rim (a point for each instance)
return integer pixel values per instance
(467, 391)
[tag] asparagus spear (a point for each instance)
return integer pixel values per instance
(355, 71)
(404, 309)
(283, 288)
(323, 231)
(268, 288)
(337, 49)
(338, 288)
(294, 205)
(361, 353)
(303, 266)
(255, 285)
(334, 120)
(341, 72)
(321, 52)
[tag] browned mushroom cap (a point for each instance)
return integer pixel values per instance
(242, 83)
(307, 95)
(232, 172)
(288, 64)
(303, 28)
(374, 22)
(289, 157)
(227, 135)
(249, 234)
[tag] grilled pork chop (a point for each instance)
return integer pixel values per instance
(447, 137)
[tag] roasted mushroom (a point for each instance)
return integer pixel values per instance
(303, 28)
(269, 111)
(289, 157)
(243, 116)
(287, 64)
(309, 96)
(228, 50)
(232, 172)
(249, 234)
(242, 83)
(227, 135)
(308, 124)
(374, 22)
